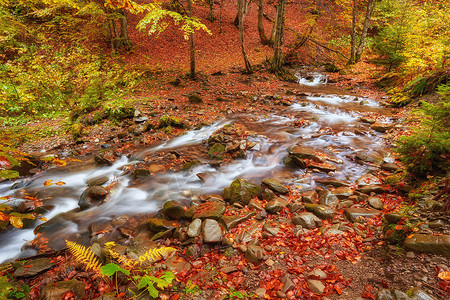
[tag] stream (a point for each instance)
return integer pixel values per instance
(326, 119)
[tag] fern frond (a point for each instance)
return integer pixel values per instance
(84, 255)
(121, 259)
(156, 254)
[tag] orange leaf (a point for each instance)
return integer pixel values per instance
(59, 162)
(48, 182)
(398, 227)
(60, 183)
(445, 275)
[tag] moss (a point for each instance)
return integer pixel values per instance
(77, 131)
(216, 151)
(166, 121)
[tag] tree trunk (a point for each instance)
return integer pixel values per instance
(211, 10)
(351, 61)
(220, 17)
(241, 14)
(262, 34)
(245, 5)
(367, 19)
(125, 40)
(279, 34)
(192, 45)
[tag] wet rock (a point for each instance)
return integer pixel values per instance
(294, 162)
(375, 202)
(306, 153)
(233, 221)
(390, 167)
(418, 294)
(436, 224)
(229, 269)
(195, 228)
(162, 235)
(331, 181)
(190, 164)
(141, 173)
(367, 120)
(322, 166)
(362, 157)
(105, 157)
(209, 210)
(173, 210)
(267, 194)
(343, 192)
(254, 254)
(275, 186)
(316, 286)
(156, 169)
(368, 179)
(381, 127)
(212, 232)
(353, 213)
(255, 204)
(436, 244)
(276, 205)
(157, 225)
(99, 180)
(94, 195)
(33, 267)
(307, 220)
(271, 228)
(193, 251)
(296, 206)
(322, 211)
(241, 191)
(56, 290)
(310, 197)
(373, 188)
(327, 198)
(216, 151)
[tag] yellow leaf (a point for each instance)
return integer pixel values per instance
(59, 162)
(60, 183)
(444, 275)
(16, 222)
(48, 182)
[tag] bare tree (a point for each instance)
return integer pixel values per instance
(191, 45)
(279, 34)
(241, 15)
(356, 52)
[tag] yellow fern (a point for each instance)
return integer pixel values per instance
(84, 255)
(121, 259)
(156, 254)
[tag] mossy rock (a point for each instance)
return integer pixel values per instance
(216, 151)
(158, 225)
(77, 131)
(241, 191)
(119, 114)
(190, 164)
(195, 98)
(209, 210)
(166, 121)
(173, 210)
(331, 68)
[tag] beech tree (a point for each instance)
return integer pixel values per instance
(241, 14)
(356, 51)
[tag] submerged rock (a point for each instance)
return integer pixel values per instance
(306, 153)
(275, 186)
(92, 196)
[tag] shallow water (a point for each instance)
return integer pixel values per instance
(325, 122)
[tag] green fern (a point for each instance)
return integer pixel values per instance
(84, 255)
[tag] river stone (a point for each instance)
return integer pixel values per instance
(157, 225)
(322, 211)
(177, 264)
(391, 167)
(275, 186)
(370, 158)
(392, 218)
(255, 204)
(367, 120)
(216, 151)
(56, 290)
(267, 194)
(33, 267)
(194, 228)
(354, 213)
(233, 221)
(316, 286)
(317, 273)
(331, 181)
(254, 254)
(276, 205)
(190, 164)
(368, 179)
(173, 210)
(436, 244)
(296, 206)
(381, 127)
(288, 285)
(105, 157)
(343, 192)
(327, 198)
(307, 220)
(376, 202)
(241, 191)
(212, 232)
(99, 180)
(94, 195)
(209, 210)
(418, 294)
(306, 153)
(294, 161)
(322, 166)
(141, 173)
(310, 197)
(372, 188)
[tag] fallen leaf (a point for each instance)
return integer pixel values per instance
(444, 275)
(48, 182)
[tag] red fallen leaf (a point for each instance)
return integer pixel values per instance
(368, 295)
(384, 284)
(4, 162)
(338, 290)
(368, 287)
(398, 227)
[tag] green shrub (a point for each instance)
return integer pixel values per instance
(425, 148)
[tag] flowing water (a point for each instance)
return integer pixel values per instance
(327, 120)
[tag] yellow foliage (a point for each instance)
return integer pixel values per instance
(84, 255)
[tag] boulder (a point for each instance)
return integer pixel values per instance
(275, 186)
(241, 191)
(233, 221)
(436, 244)
(173, 210)
(276, 205)
(216, 151)
(372, 188)
(33, 267)
(343, 192)
(353, 213)
(306, 153)
(375, 202)
(310, 197)
(381, 127)
(327, 198)
(195, 228)
(294, 162)
(307, 220)
(94, 195)
(322, 211)
(209, 210)
(212, 232)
